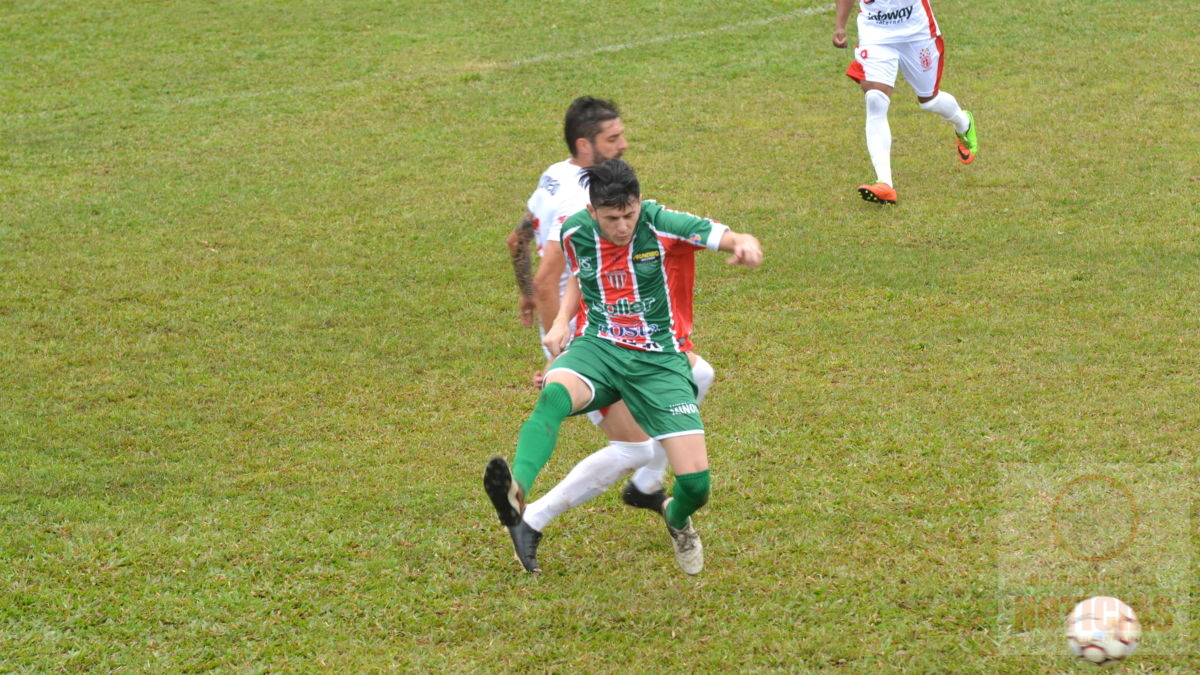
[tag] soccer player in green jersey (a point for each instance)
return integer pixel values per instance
(627, 351)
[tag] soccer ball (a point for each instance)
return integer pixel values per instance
(1102, 630)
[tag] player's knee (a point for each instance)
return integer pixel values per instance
(937, 103)
(703, 374)
(554, 402)
(633, 456)
(877, 102)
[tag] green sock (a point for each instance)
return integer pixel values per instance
(540, 433)
(690, 492)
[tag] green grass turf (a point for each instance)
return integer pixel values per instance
(258, 331)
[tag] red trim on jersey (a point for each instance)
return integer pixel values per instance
(933, 28)
(581, 321)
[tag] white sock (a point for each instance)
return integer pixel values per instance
(703, 374)
(946, 106)
(879, 134)
(595, 474)
(650, 477)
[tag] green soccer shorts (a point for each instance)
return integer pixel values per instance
(656, 386)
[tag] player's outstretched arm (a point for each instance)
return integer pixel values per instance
(559, 334)
(744, 247)
(519, 241)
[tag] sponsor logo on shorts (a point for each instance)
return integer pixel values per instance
(926, 59)
(894, 16)
(548, 184)
(684, 409)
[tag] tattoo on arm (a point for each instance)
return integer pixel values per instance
(522, 264)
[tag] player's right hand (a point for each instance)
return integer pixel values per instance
(557, 337)
(839, 38)
(746, 251)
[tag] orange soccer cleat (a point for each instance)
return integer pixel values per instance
(880, 193)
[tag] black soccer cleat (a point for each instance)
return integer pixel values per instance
(525, 542)
(638, 499)
(504, 492)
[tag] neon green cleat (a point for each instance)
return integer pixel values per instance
(968, 145)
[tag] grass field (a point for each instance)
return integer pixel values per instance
(259, 336)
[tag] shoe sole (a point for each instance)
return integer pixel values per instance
(965, 158)
(500, 487)
(869, 196)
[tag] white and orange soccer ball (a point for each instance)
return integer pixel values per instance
(1102, 630)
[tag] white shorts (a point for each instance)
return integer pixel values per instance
(919, 60)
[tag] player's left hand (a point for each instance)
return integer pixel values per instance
(526, 305)
(839, 38)
(746, 251)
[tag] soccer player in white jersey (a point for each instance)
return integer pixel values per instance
(628, 350)
(593, 131)
(899, 35)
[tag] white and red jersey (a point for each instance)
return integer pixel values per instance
(882, 22)
(558, 196)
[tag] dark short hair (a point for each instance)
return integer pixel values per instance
(584, 118)
(611, 183)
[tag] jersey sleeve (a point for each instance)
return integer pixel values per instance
(563, 232)
(697, 231)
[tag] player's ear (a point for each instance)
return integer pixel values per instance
(592, 212)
